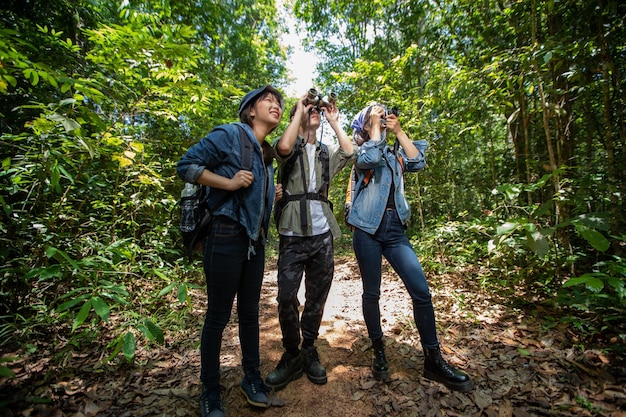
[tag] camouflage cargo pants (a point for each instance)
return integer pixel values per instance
(312, 257)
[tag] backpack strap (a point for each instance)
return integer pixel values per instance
(321, 194)
(302, 197)
(286, 169)
(396, 152)
(325, 160)
(351, 191)
(247, 150)
(322, 191)
(297, 153)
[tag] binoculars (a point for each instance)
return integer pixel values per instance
(318, 101)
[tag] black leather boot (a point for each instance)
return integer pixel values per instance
(288, 369)
(312, 366)
(380, 366)
(436, 369)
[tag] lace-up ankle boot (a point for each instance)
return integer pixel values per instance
(380, 366)
(211, 403)
(312, 366)
(288, 369)
(436, 369)
(254, 389)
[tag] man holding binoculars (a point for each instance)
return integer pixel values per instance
(306, 224)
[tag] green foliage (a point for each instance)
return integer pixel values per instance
(529, 236)
(6, 372)
(599, 294)
(95, 112)
(450, 246)
(522, 104)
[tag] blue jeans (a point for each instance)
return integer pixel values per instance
(391, 242)
(230, 273)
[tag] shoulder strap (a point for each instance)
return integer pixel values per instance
(247, 150)
(302, 197)
(291, 162)
(367, 178)
(396, 152)
(325, 161)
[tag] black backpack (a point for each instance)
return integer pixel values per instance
(283, 177)
(195, 213)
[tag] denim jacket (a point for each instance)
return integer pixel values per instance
(370, 202)
(220, 152)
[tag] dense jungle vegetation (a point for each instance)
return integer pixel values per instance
(523, 103)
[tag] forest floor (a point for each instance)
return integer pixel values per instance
(520, 365)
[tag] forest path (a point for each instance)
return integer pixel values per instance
(520, 366)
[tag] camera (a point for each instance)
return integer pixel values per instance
(394, 110)
(388, 111)
(313, 97)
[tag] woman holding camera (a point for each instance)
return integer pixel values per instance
(379, 214)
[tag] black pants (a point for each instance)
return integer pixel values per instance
(313, 257)
(230, 273)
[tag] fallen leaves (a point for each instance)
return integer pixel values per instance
(519, 367)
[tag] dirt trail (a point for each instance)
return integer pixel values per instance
(519, 367)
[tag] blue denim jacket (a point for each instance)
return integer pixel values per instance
(370, 202)
(220, 152)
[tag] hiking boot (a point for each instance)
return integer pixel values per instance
(380, 366)
(211, 403)
(436, 369)
(312, 366)
(288, 369)
(254, 389)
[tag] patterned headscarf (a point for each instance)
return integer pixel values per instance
(358, 124)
